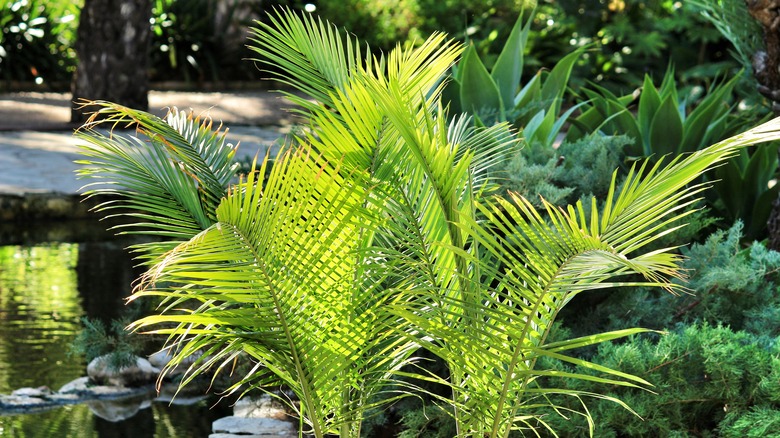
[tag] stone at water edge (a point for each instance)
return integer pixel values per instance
(142, 373)
(40, 392)
(264, 406)
(161, 358)
(254, 426)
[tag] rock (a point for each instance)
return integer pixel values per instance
(11, 402)
(75, 386)
(84, 390)
(232, 435)
(264, 406)
(142, 373)
(161, 358)
(40, 392)
(254, 426)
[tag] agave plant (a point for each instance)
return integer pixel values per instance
(664, 123)
(500, 96)
(375, 232)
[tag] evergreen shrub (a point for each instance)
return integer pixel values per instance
(717, 371)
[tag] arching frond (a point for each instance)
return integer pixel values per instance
(170, 173)
(538, 266)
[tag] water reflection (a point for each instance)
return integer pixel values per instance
(40, 310)
(45, 289)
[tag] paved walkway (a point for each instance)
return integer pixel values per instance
(37, 148)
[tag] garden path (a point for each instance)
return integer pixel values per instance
(37, 147)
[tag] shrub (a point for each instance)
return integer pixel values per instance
(36, 44)
(96, 339)
(565, 174)
(717, 370)
(706, 379)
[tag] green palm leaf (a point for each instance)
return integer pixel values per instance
(170, 175)
(286, 280)
(534, 267)
(296, 271)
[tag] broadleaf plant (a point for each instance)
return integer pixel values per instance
(662, 123)
(377, 231)
(499, 95)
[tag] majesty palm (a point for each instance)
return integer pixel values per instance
(375, 233)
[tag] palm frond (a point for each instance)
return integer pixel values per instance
(280, 272)
(294, 272)
(169, 176)
(541, 265)
(309, 55)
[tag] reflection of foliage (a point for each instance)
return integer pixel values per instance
(44, 277)
(36, 43)
(39, 311)
(67, 421)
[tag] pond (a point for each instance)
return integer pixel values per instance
(52, 275)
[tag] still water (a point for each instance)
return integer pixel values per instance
(48, 282)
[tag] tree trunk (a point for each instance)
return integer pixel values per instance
(112, 45)
(766, 68)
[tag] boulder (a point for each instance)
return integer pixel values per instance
(75, 386)
(264, 406)
(40, 392)
(141, 373)
(161, 359)
(254, 426)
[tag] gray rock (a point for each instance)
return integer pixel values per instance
(83, 389)
(232, 435)
(142, 373)
(264, 406)
(17, 401)
(75, 386)
(254, 426)
(161, 359)
(41, 391)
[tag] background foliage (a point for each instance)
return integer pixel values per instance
(203, 40)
